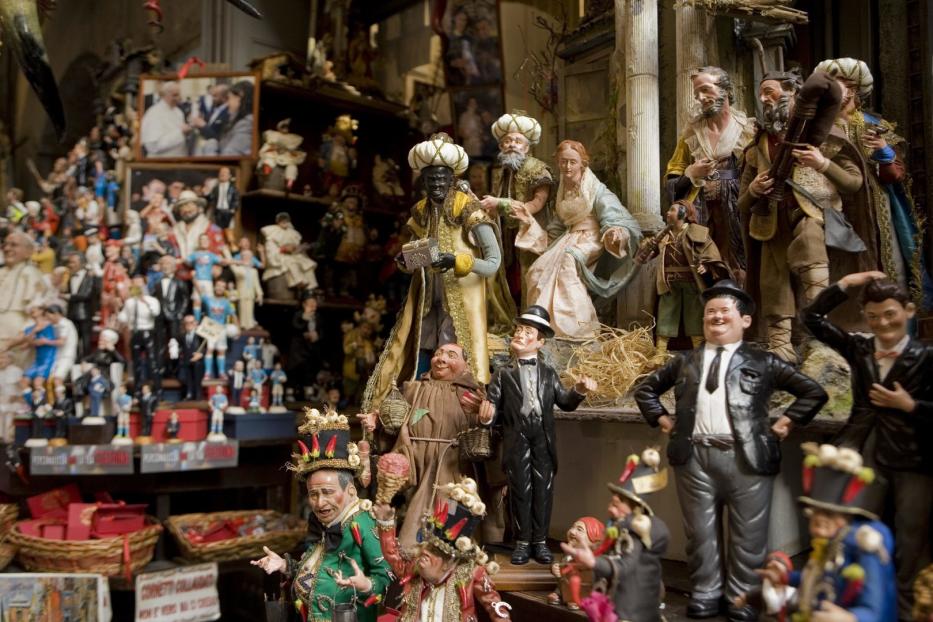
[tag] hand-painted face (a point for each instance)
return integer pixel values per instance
(618, 508)
(431, 566)
(437, 181)
(447, 362)
(571, 166)
(577, 536)
(514, 142)
(526, 341)
(826, 524)
(889, 320)
(707, 91)
(326, 497)
(722, 322)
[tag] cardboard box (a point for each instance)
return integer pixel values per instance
(253, 426)
(80, 516)
(193, 424)
(118, 519)
(54, 503)
(38, 527)
(81, 434)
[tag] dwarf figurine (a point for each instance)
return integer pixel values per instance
(449, 559)
(850, 572)
(585, 532)
(628, 562)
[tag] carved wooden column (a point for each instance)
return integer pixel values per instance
(696, 47)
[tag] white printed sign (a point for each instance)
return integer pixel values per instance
(187, 594)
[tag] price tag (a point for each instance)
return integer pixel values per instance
(81, 460)
(167, 457)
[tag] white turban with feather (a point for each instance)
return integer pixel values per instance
(439, 150)
(517, 121)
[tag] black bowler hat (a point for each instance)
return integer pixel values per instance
(728, 287)
(537, 317)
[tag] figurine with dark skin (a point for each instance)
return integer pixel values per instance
(892, 401)
(628, 561)
(849, 576)
(520, 399)
(723, 448)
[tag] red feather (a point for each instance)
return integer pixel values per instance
(315, 447)
(357, 536)
(807, 478)
(851, 591)
(454, 531)
(629, 468)
(304, 451)
(373, 600)
(331, 447)
(854, 487)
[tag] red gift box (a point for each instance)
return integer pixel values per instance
(80, 516)
(193, 425)
(118, 519)
(54, 502)
(49, 527)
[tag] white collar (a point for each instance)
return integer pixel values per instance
(729, 347)
(898, 347)
(347, 511)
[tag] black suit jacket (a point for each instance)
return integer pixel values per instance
(83, 303)
(751, 378)
(175, 304)
(505, 392)
(233, 196)
(904, 440)
(186, 351)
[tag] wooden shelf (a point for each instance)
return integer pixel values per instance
(340, 303)
(332, 94)
(279, 195)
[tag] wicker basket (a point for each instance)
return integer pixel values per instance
(7, 553)
(235, 548)
(104, 556)
(9, 512)
(475, 444)
(394, 410)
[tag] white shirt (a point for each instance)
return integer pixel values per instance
(75, 282)
(161, 133)
(222, 194)
(712, 416)
(885, 364)
(140, 314)
(69, 348)
(432, 606)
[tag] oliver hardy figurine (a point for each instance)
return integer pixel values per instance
(892, 396)
(521, 399)
(723, 448)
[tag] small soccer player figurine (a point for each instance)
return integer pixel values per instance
(219, 404)
(278, 378)
(124, 404)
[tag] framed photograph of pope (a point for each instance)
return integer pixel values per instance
(203, 116)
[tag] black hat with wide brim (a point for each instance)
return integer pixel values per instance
(728, 287)
(537, 317)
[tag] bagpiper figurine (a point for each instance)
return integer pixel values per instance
(278, 378)
(520, 399)
(219, 404)
(588, 532)
(627, 565)
(124, 404)
(451, 576)
(850, 572)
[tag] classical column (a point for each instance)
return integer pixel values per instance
(642, 124)
(696, 47)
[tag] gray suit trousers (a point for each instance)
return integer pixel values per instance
(711, 480)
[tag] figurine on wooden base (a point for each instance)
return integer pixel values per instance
(849, 576)
(724, 449)
(343, 565)
(627, 565)
(451, 576)
(219, 404)
(572, 584)
(254, 406)
(238, 381)
(521, 399)
(172, 428)
(97, 387)
(124, 404)
(278, 379)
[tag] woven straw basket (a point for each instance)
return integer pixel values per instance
(8, 515)
(234, 548)
(475, 444)
(104, 556)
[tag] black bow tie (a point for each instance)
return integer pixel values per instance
(528, 362)
(331, 536)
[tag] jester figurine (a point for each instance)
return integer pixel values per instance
(450, 576)
(627, 564)
(344, 562)
(850, 572)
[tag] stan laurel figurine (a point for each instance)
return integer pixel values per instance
(722, 447)
(521, 399)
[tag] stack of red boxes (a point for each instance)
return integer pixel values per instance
(61, 514)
